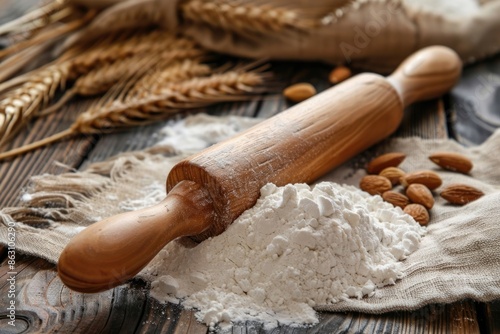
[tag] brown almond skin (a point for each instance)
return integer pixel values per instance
(383, 161)
(418, 212)
(375, 184)
(395, 198)
(428, 178)
(420, 194)
(452, 161)
(461, 194)
(339, 74)
(394, 174)
(299, 92)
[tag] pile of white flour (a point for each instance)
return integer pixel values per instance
(296, 248)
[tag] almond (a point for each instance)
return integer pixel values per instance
(394, 174)
(396, 199)
(426, 177)
(460, 194)
(375, 184)
(420, 194)
(339, 74)
(299, 92)
(452, 161)
(385, 160)
(418, 212)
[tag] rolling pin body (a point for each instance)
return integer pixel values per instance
(298, 145)
(212, 188)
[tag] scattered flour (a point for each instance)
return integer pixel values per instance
(198, 132)
(298, 247)
(150, 195)
(446, 8)
(26, 197)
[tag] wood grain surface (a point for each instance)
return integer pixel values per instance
(45, 305)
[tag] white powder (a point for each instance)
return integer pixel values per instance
(200, 131)
(446, 8)
(296, 248)
(26, 197)
(149, 196)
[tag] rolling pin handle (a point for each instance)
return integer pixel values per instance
(115, 249)
(427, 74)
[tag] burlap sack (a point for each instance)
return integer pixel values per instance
(457, 259)
(369, 34)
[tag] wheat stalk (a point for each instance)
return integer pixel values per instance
(101, 79)
(243, 16)
(198, 92)
(176, 72)
(193, 93)
(49, 34)
(23, 102)
(39, 14)
(20, 104)
(131, 15)
(115, 47)
(128, 46)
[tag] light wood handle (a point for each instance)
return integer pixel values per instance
(107, 253)
(427, 74)
(209, 190)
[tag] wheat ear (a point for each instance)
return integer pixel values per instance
(49, 34)
(232, 85)
(197, 92)
(126, 15)
(242, 16)
(20, 104)
(101, 79)
(176, 72)
(39, 14)
(23, 102)
(137, 44)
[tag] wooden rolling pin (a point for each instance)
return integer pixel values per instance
(209, 190)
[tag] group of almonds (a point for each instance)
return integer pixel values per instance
(302, 91)
(417, 198)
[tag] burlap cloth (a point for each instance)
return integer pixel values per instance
(369, 34)
(457, 259)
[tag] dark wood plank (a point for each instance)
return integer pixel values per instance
(489, 315)
(454, 318)
(425, 120)
(145, 136)
(126, 304)
(124, 141)
(54, 159)
(3, 252)
(46, 305)
(188, 324)
(472, 102)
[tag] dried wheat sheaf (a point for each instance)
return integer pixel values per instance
(94, 70)
(19, 105)
(170, 98)
(141, 74)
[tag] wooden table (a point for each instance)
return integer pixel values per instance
(45, 305)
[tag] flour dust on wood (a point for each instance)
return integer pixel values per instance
(297, 248)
